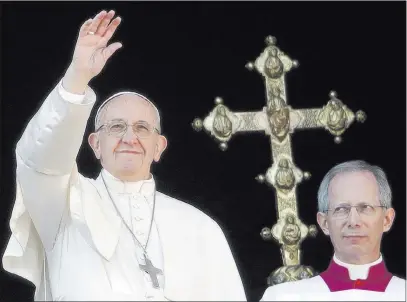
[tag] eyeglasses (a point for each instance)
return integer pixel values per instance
(118, 128)
(342, 212)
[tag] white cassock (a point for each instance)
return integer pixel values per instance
(343, 282)
(70, 242)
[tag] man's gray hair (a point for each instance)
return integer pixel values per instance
(103, 105)
(385, 194)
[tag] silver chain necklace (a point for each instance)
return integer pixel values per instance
(148, 267)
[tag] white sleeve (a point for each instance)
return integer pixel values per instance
(71, 97)
(45, 170)
(46, 160)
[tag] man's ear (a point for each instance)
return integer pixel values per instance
(94, 143)
(389, 216)
(160, 146)
(322, 220)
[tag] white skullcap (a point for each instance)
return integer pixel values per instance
(127, 92)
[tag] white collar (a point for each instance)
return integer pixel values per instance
(358, 271)
(100, 215)
(144, 187)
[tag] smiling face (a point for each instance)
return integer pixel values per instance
(127, 156)
(355, 237)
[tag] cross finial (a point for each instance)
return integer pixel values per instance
(278, 120)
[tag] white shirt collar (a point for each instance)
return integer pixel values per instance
(357, 271)
(144, 187)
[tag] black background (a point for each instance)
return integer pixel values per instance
(183, 55)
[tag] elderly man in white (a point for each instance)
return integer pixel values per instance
(355, 209)
(114, 238)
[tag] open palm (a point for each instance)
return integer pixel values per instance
(92, 50)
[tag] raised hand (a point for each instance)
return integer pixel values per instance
(91, 51)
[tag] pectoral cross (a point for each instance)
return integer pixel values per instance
(153, 272)
(278, 121)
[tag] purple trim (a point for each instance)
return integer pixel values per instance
(337, 278)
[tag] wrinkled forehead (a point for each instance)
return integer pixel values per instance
(354, 188)
(131, 107)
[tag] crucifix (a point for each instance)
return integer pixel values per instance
(153, 272)
(278, 121)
